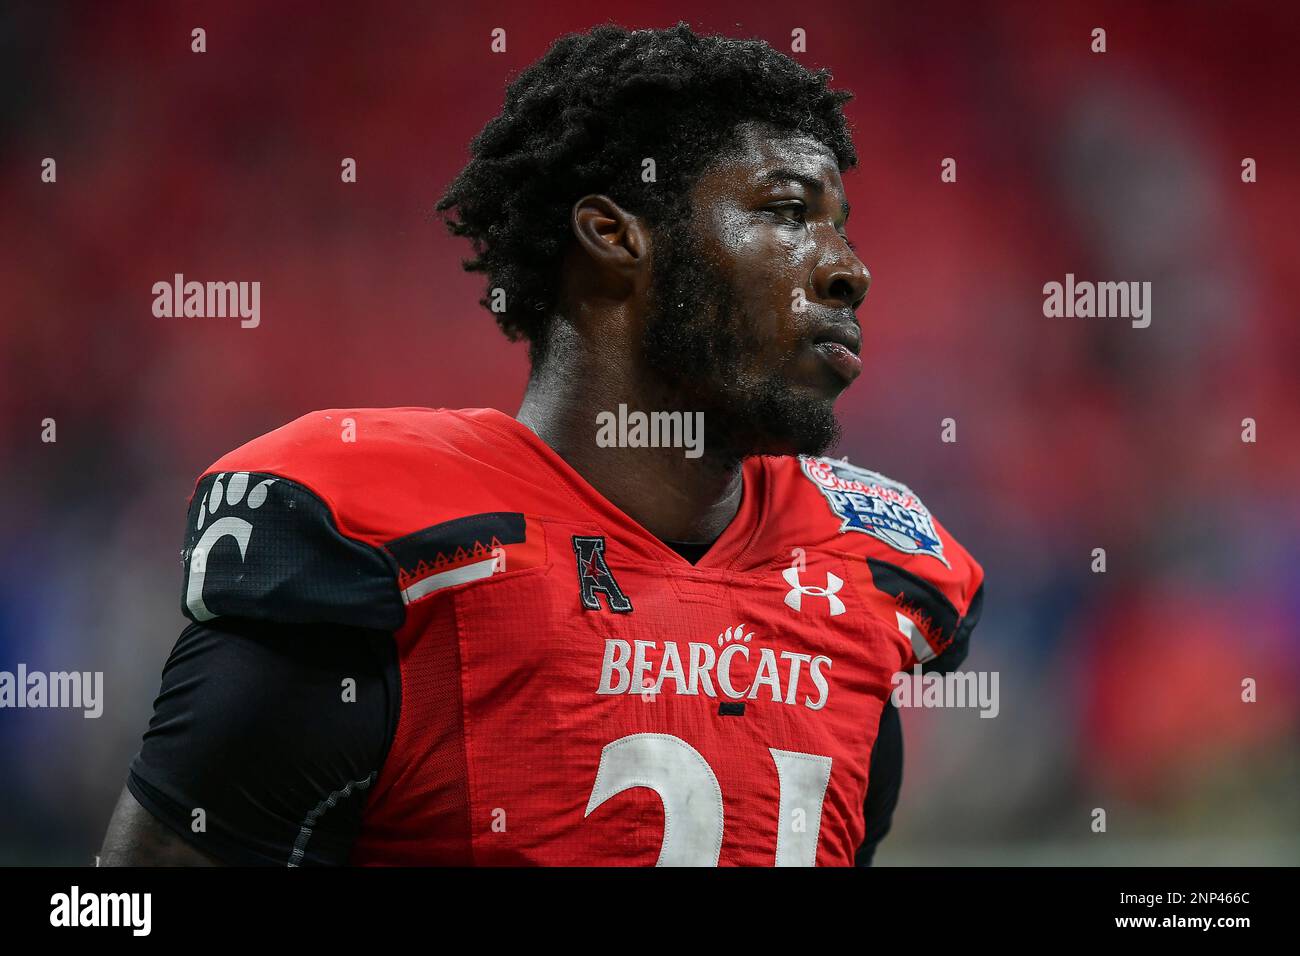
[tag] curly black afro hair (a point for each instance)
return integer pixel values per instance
(581, 120)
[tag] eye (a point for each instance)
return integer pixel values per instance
(793, 211)
(851, 244)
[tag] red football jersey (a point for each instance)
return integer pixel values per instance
(573, 690)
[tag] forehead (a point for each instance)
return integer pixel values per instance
(760, 152)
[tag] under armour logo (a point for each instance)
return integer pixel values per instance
(795, 596)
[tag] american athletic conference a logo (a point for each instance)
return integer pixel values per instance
(873, 504)
(594, 576)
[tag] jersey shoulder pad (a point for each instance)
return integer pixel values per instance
(922, 579)
(278, 529)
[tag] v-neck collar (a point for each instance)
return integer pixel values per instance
(726, 550)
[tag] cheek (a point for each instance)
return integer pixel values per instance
(762, 273)
(768, 275)
(753, 251)
(773, 300)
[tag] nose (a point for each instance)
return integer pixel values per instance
(842, 279)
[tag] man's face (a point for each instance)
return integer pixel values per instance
(751, 313)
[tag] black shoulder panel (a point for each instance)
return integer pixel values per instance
(941, 622)
(261, 547)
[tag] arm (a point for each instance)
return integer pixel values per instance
(255, 754)
(137, 838)
(885, 777)
(883, 783)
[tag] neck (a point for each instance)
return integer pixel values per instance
(671, 496)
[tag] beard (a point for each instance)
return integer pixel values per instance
(704, 347)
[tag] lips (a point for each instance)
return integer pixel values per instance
(849, 336)
(839, 346)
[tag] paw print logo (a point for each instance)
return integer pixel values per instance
(229, 493)
(736, 633)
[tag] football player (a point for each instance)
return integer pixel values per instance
(577, 635)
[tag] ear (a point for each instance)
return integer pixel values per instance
(615, 240)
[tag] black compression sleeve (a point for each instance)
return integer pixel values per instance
(884, 782)
(255, 726)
